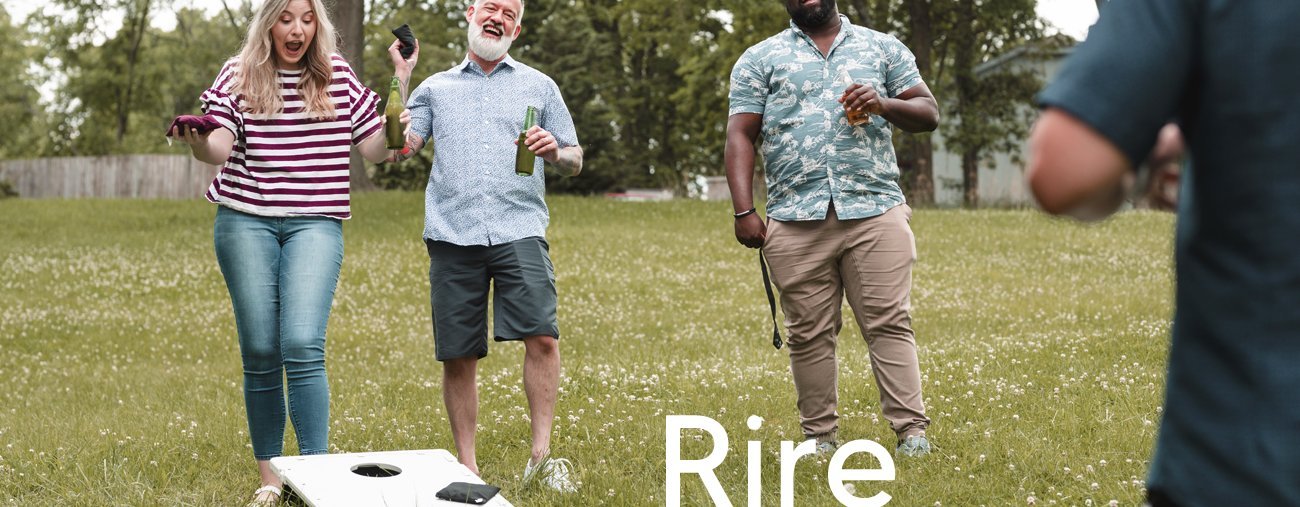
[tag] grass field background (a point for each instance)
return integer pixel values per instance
(1042, 346)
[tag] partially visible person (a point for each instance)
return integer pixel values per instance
(1225, 70)
(485, 225)
(839, 226)
(1165, 168)
(290, 110)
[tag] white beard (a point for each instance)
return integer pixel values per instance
(486, 48)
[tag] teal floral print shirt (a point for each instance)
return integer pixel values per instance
(811, 154)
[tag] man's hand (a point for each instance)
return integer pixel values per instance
(1073, 170)
(402, 67)
(751, 231)
(742, 132)
(914, 110)
(375, 148)
(407, 150)
(542, 143)
(1165, 166)
(863, 97)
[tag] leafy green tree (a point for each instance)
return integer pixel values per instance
(27, 134)
(123, 87)
(983, 114)
(988, 113)
(916, 153)
(705, 73)
(200, 44)
(349, 22)
(646, 80)
(108, 83)
(440, 26)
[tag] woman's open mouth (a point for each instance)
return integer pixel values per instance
(293, 48)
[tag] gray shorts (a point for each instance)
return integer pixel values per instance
(523, 294)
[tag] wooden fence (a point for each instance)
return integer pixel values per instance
(119, 176)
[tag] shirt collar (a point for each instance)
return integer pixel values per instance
(845, 31)
(468, 65)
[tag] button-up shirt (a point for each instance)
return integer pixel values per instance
(474, 196)
(811, 153)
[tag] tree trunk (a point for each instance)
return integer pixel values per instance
(349, 19)
(139, 22)
(918, 152)
(234, 24)
(858, 13)
(964, 61)
(970, 178)
(916, 161)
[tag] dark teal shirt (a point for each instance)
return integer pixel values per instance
(1229, 72)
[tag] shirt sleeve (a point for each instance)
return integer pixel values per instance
(1129, 77)
(748, 85)
(556, 118)
(218, 102)
(420, 103)
(902, 73)
(365, 105)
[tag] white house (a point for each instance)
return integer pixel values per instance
(1001, 180)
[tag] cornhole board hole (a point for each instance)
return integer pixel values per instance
(392, 478)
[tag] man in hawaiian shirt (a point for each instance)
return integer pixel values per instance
(839, 221)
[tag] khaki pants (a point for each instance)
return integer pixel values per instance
(815, 264)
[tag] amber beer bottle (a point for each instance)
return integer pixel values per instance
(525, 159)
(393, 114)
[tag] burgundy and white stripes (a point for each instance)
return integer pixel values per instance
(290, 164)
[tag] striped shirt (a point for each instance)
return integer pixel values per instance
(289, 164)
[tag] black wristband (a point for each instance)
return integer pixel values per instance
(750, 211)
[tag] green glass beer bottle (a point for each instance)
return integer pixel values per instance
(393, 114)
(525, 159)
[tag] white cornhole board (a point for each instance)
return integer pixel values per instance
(328, 480)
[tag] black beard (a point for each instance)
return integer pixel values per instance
(811, 18)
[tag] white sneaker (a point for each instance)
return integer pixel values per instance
(826, 448)
(555, 473)
(266, 496)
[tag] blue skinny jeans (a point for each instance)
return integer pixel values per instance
(281, 273)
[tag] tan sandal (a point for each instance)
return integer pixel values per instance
(266, 496)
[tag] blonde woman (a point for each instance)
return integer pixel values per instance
(289, 109)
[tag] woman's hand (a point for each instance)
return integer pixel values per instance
(211, 148)
(190, 136)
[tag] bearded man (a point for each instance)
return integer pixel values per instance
(485, 225)
(825, 94)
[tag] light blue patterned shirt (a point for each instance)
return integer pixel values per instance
(811, 154)
(474, 196)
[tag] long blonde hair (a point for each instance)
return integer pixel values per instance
(255, 77)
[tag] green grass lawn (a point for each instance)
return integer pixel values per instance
(1042, 346)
